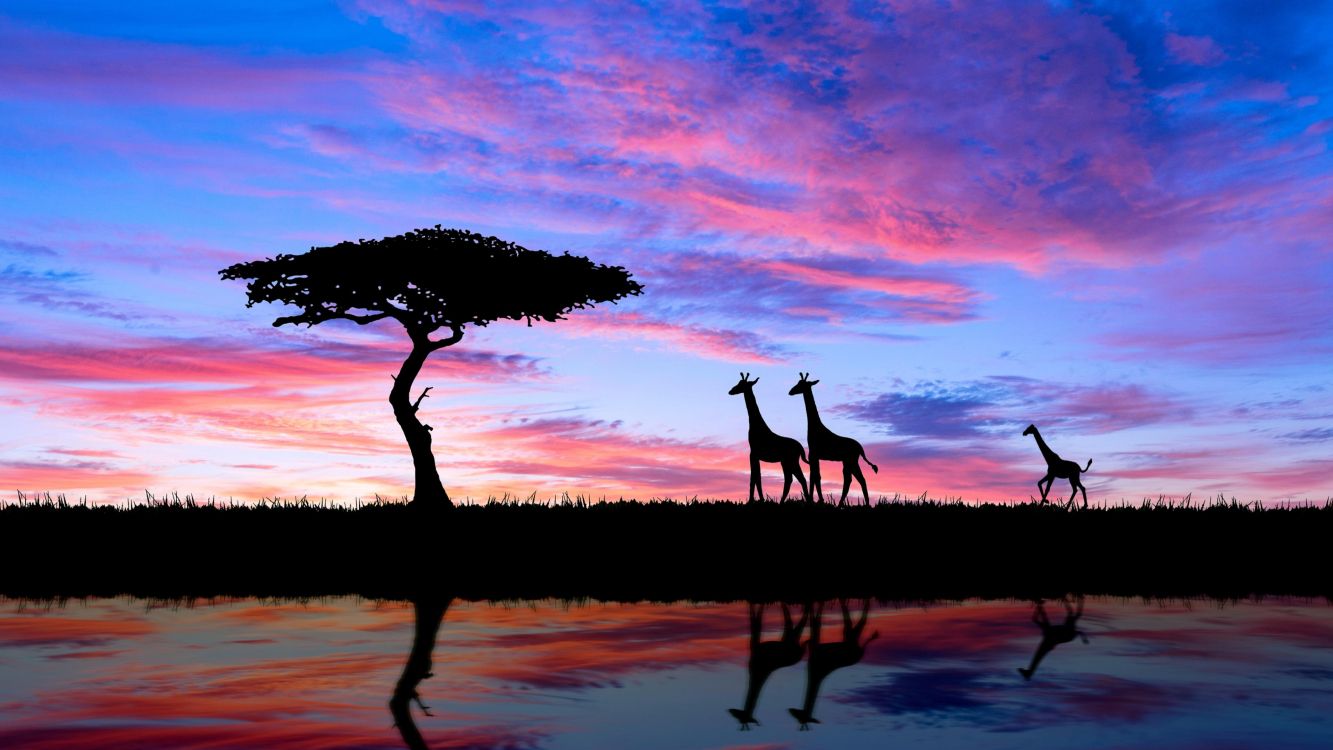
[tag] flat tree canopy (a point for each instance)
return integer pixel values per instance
(430, 279)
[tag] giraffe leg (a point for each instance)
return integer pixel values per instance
(756, 484)
(846, 483)
(1048, 480)
(861, 477)
(814, 477)
(786, 481)
(1075, 487)
(800, 477)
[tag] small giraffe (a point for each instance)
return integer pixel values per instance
(768, 446)
(766, 657)
(1054, 635)
(827, 657)
(825, 445)
(1056, 468)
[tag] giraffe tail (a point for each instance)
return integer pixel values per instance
(803, 458)
(1089, 466)
(873, 467)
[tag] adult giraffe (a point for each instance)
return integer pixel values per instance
(768, 446)
(825, 445)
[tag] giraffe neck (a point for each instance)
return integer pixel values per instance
(752, 408)
(811, 411)
(1046, 451)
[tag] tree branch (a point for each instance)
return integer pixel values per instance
(312, 317)
(453, 339)
(364, 319)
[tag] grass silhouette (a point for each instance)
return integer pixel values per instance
(522, 547)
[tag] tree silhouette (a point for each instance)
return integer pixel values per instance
(429, 280)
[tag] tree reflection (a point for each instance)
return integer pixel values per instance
(429, 615)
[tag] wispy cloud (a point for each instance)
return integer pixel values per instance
(972, 409)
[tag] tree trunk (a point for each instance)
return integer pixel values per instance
(429, 492)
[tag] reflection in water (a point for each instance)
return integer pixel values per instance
(766, 657)
(826, 657)
(429, 613)
(112, 673)
(1054, 635)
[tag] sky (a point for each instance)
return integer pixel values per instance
(1107, 219)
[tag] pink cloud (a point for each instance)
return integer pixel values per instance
(970, 472)
(901, 286)
(1227, 307)
(580, 455)
(1195, 50)
(40, 63)
(681, 134)
(1301, 479)
(712, 343)
(1100, 407)
(234, 362)
(75, 476)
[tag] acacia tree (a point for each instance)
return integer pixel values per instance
(429, 280)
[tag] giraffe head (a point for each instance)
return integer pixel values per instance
(1031, 430)
(803, 385)
(743, 386)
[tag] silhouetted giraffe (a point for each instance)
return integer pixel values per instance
(1054, 635)
(826, 657)
(1056, 467)
(827, 446)
(766, 657)
(770, 447)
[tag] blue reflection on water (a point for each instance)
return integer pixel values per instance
(319, 674)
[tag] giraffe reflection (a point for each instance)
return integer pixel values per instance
(1054, 635)
(825, 658)
(766, 657)
(429, 614)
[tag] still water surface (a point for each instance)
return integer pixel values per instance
(121, 673)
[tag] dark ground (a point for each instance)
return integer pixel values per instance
(665, 551)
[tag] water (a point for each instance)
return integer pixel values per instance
(121, 673)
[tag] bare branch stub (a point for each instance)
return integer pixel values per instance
(416, 406)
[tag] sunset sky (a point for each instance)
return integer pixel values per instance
(1110, 219)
